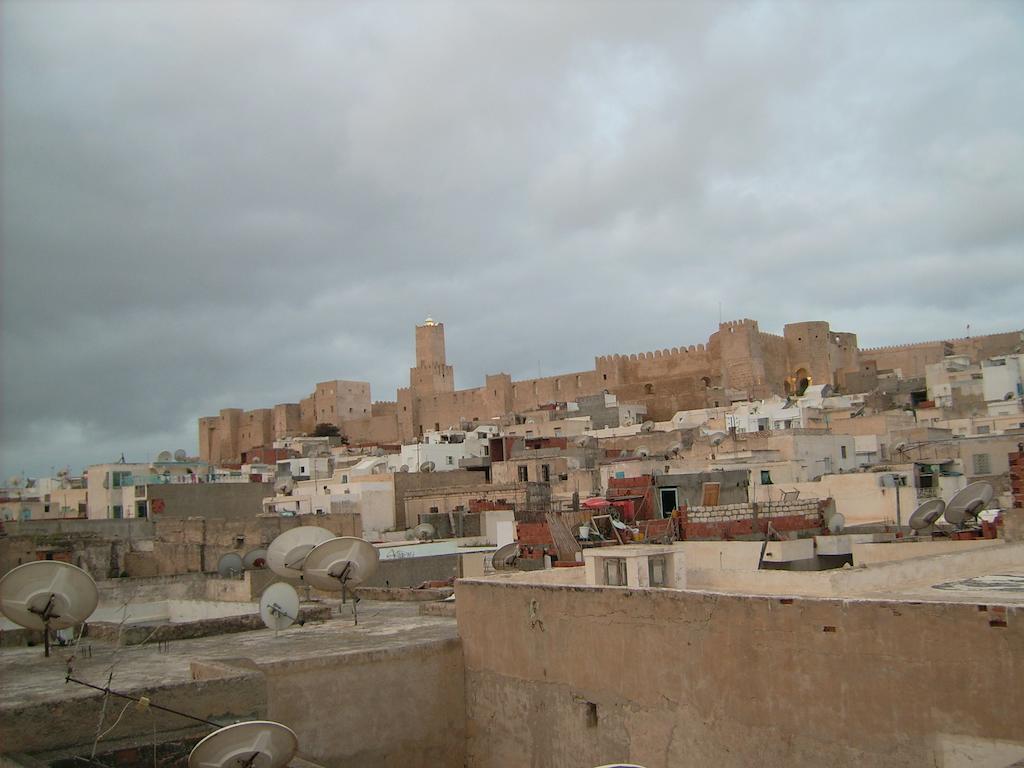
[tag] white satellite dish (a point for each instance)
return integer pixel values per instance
(47, 594)
(230, 564)
(180, 455)
(643, 452)
(279, 606)
(836, 523)
(255, 559)
(404, 468)
(163, 456)
(287, 553)
(424, 531)
(255, 744)
(717, 438)
(647, 426)
(505, 557)
(283, 486)
(427, 466)
(968, 502)
(378, 451)
(341, 562)
(926, 514)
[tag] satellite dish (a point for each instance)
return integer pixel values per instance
(968, 502)
(926, 514)
(424, 531)
(504, 558)
(47, 594)
(284, 486)
(643, 452)
(675, 449)
(427, 466)
(255, 744)
(647, 426)
(287, 552)
(836, 523)
(899, 447)
(15, 480)
(230, 564)
(378, 451)
(404, 468)
(340, 563)
(163, 456)
(717, 438)
(180, 455)
(279, 606)
(255, 559)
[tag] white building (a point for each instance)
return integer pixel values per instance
(1003, 384)
(442, 450)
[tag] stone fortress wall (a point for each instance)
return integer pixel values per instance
(738, 361)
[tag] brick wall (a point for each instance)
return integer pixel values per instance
(735, 520)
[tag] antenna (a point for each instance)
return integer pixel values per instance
(287, 553)
(255, 559)
(926, 514)
(180, 455)
(163, 456)
(257, 743)
(279, 606)
(505, 557)
(48, 594)
(229, 565)
(968, 502)
(340, 564)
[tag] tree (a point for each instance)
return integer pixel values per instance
(324, 429)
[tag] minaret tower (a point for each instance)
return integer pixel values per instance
(432, 373)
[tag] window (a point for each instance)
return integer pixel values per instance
(615, 572)
(766, 477)
(984, 430)
(657, 571)
(545, 473)
(982, 464)
(524, 474)
(116, 512)
(451, 460)
(842, 451)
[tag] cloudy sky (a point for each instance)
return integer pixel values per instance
(208, 205)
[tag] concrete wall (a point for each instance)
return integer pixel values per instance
(196, 544)
(581, 676)
(391, 706)
(223, 500)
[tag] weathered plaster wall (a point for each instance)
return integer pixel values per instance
(397, 706)
(559, 676)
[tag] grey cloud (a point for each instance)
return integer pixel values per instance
(208, 205)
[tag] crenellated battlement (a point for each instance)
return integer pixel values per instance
(658, 354)
(923, 344)
(742, 322)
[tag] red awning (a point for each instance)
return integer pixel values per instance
(595, 503)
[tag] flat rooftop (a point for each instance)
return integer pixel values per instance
(29, 678)
(992, 575)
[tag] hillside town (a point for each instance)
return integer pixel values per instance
(750, 471)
